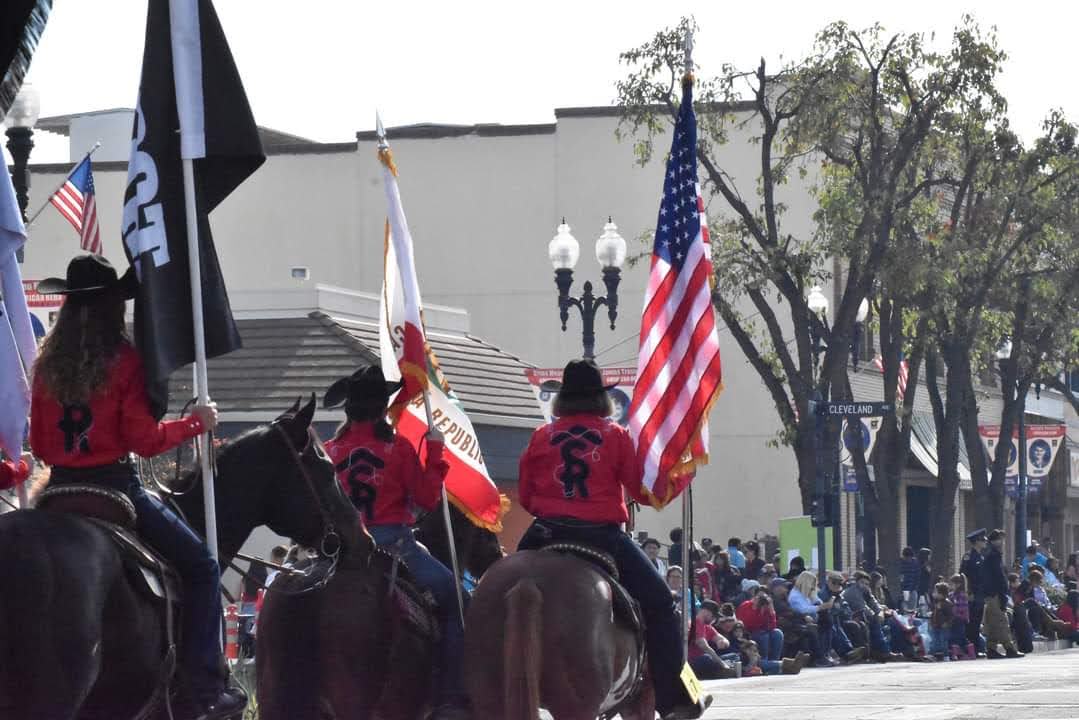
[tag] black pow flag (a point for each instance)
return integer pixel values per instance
(190, 106)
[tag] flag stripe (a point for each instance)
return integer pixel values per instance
(75, 200)
(678, 369)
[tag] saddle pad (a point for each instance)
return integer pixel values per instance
(413, 606)
(626, 608)
(156, 575)
(89, 501)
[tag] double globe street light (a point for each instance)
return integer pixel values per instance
(564, 251)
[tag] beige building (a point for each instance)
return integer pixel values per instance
(482, 202)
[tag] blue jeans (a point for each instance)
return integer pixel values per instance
(840, 642)
(641, 579)
(770, 644)
(938, 640)
(434, 576)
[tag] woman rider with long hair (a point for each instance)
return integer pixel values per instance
(573, 477)
(89, 413)
(382, 474)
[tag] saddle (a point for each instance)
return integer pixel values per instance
(626, 608)
(112, 512)
(413, 607)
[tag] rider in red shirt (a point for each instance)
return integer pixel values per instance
(382, 474)
(573, 477)
(89, 411)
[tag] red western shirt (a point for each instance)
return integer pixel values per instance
(116, 421)
(385, 479)
(13, 473)
(756, 619)
(580, 466)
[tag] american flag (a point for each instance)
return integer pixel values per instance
(678, 369)
(75, 201)
(904, 375)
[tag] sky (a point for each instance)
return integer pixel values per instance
(320, 68)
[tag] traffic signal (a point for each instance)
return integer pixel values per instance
(820, 510)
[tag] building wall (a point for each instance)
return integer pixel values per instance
(482, 208)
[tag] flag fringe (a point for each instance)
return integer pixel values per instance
(386, 158)
(684, 467)
(495, 527)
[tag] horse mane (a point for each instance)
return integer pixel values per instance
(224, 449)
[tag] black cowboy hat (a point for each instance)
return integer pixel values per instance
(89, 276)
(367, 382)
(582, 377)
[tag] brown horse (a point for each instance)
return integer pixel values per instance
(541, 632)
(343, 651)
(78, 639)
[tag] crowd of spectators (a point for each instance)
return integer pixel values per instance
(750, 620)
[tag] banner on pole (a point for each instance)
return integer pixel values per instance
(1043, 443)
(546, 382)
(220, 135)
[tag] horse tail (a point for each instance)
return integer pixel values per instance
(523, 651)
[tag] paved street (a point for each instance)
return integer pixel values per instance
(1044, 686)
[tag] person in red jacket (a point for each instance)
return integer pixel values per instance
(383, 476)
(574, 477)
(759, 618)
(89, 411)
(13, 473)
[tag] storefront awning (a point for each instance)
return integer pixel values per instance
(923, 444)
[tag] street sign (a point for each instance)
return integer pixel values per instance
(855, 409)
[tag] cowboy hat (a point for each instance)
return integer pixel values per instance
(367, 382)
(87, 276)
(582, 377)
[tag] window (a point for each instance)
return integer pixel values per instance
(300, 273)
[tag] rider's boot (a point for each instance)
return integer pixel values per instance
(690, 711)
(229, 705)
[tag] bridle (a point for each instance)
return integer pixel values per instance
(330, 542)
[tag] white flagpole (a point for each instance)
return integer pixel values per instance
(63, 182)
(446, 517)
(202, 383)
(687, 494)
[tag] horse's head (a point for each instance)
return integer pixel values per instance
(279, 475)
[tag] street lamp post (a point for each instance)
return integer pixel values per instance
(1004, 361)
(20, 122)
(564, 251)
(817, 302)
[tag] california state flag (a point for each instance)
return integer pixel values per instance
(407, 356)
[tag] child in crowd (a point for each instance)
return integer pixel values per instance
(925, 582)
(940, 621)
(959, 646)
(909, 570)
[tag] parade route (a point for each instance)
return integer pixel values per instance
(1039, 687)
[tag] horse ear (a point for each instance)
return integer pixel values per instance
(292, 410)
(304, 416)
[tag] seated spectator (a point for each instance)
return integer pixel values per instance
(766, 575)
(754, 562)
(734, 549)
(754, 664)
(940, 622)
(675, 582)
(795, 567)
(867, 611)
(799, 635)
(707, 644)
(759, 618)
(1031, 556)
(728, 579)
(878, 583)
(1050, 624)
(1068, 612)
(832, 621)
(704, 575)
(651, 549)
(805, 602)
(1071, 570)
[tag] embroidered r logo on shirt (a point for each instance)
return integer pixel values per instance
(574, 471)
(76, 425)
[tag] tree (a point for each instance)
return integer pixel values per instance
(856, 119)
